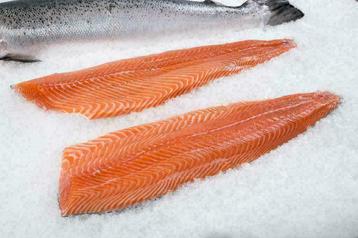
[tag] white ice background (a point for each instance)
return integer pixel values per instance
(306, 188)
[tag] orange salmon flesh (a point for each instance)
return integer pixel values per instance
(132, 85)
(144, 162)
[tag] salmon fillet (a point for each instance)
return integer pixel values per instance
(132, 85)
(133, 165)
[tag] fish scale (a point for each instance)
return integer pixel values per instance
(133, 165)
(133, 85)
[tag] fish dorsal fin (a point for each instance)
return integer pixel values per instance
(208, 2)
(211, 2)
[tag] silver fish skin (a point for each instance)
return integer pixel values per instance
(27, 25)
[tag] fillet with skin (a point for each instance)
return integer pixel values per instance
(27, 27)
(130, 166)
(134, 84)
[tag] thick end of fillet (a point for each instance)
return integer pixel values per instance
(33, 92)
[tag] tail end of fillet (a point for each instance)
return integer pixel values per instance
(289, 43)
(331, 99)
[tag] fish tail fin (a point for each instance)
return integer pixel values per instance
(281, 11)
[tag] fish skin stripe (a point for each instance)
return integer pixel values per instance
(127, 167)
(132, 85)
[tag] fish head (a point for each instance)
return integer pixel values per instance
(3, 48)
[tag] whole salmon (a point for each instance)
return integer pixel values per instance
(26, 26)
